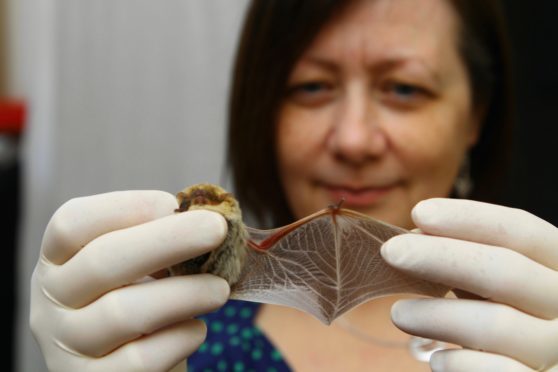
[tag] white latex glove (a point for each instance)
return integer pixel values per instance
(506, 256)
(94, 306)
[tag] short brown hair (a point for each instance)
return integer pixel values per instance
(275, 35)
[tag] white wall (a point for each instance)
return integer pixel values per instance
(123, 94)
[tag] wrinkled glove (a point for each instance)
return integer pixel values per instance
(509, 258)
(94, 306)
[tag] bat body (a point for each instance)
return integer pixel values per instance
(228, 259)
(324, 264)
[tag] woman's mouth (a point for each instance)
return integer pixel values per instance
(357, 197)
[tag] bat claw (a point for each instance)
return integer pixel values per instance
(338, 205)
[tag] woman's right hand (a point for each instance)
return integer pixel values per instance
(94, 305)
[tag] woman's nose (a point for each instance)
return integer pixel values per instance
(357, 134)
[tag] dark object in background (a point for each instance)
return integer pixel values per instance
(9, 200)
(12, 116)
(534, 37)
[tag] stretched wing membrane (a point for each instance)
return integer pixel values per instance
(325, 265)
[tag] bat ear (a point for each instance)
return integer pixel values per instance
(183, 202)
(226, 195)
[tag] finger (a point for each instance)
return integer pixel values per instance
(490, 224)
(80, 220)
(180, 367)
(156, 352)
(466, 295)
(127, 313)
(121, 257)
(499, 274)
(471, 360)
(481, 325)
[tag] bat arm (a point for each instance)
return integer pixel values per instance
(252, 244)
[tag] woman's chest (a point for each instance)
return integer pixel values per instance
(310, 346)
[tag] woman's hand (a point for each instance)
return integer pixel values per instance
(94, 306)
(506, 256)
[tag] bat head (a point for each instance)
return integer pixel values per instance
(210, 197)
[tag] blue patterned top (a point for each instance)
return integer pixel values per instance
(234, 343)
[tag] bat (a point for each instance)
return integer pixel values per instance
(228, 259)
(324, 264)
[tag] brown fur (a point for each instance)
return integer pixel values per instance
(228, 259)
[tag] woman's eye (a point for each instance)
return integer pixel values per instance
(404, 94)
(311, 93)
(405, 90)
(312, 87)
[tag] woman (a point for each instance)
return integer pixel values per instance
(375, 101)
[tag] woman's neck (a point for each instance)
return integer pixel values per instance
(374, 318)
(308, 345)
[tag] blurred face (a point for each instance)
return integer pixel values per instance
(377, 111)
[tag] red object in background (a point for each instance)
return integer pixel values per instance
(12, 117)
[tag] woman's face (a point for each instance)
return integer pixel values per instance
(377, 111)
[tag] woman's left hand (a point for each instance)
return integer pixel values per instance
(509, 258)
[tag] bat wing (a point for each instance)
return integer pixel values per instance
(325, 265)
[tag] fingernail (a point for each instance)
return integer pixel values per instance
(219, 287)
(407, 315)
(399, 311)
(394, 250)
(211, 226)
(425, 211)
(437, 361)
(385, 250)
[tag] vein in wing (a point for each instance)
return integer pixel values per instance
(326, 268)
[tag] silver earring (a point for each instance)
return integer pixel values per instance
(463, 184)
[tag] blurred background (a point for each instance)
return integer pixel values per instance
(109, 95)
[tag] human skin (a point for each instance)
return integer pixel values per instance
(378, 112)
